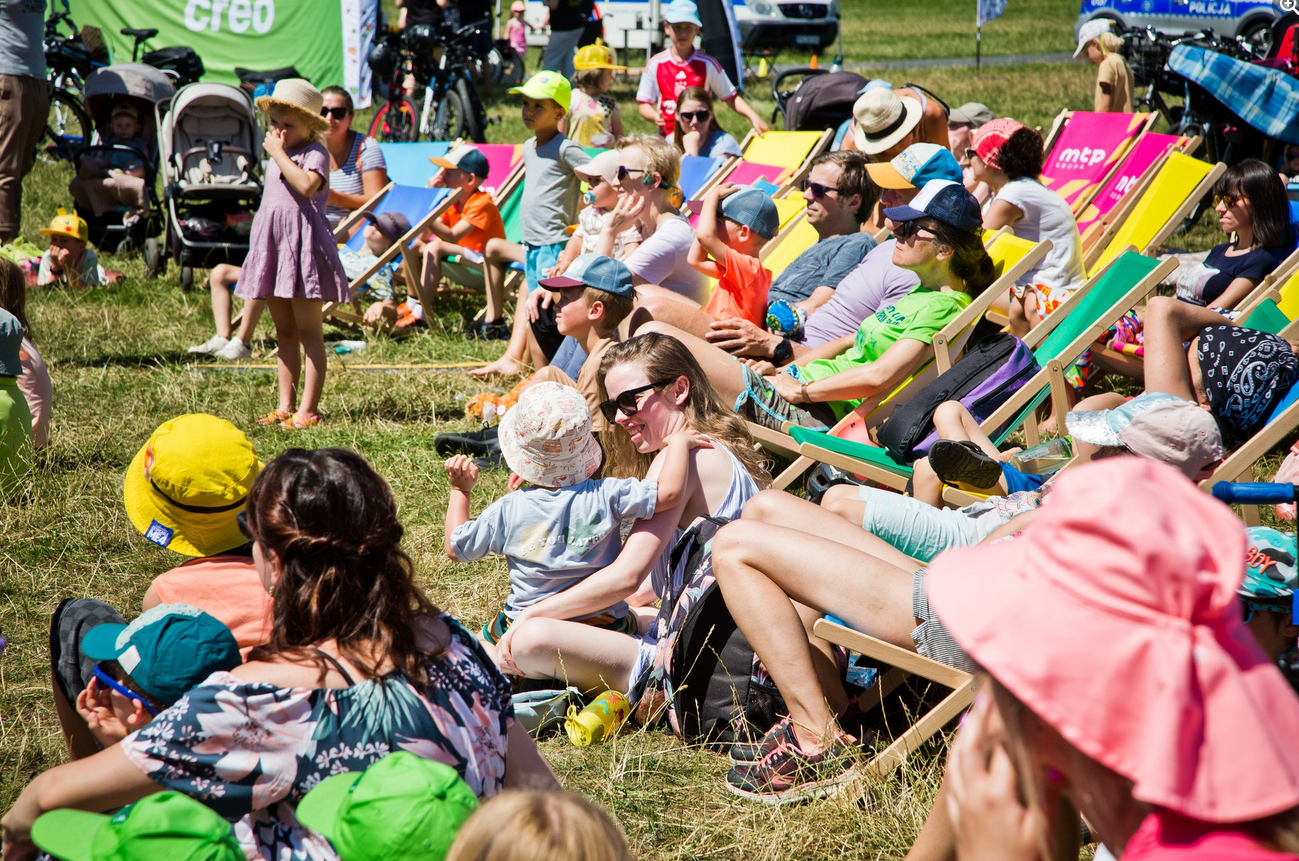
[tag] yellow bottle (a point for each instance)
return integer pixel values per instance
(599, 720)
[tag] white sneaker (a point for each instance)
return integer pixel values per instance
(235, 349)
(210, 346)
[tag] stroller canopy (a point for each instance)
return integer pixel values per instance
(133, 80)
(1266, 99)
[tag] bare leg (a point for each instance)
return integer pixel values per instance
(220, 281)
(587, 657)
(76, 735)
(310, 323)
(290, 362)
(953, 421)
(673, 309)
(497, 255)
(762, 570)
(1023, 314)
(253, 309)
(511, 363)
(925, 485)
(785, 509)
(1169, 324)
(723, 370)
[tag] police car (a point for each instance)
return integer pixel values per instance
(1249, 18)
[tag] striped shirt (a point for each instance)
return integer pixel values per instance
(365, 155)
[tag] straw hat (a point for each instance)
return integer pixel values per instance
(299, 95)
(546, 437)
(187, 484)
(1114, 619)
(883, 119)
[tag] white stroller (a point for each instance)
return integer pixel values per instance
(211, 153)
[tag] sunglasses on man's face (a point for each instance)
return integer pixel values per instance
(818, 190)
(336, 113)
(695, 116)
(907, 229)
(628, 403)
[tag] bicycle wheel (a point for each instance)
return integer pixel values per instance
(68, 127)
(507, 66)
(458, 116)
(396, 122)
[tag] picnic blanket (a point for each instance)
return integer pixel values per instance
(1266, 99)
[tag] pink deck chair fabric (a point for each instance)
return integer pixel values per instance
(1087, 148)
(501, 159)
(747, 173)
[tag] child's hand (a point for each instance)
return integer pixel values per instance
(723, 190)
(96, 710)
(438, 179)
(514, 482)
(689, 438)
(462, 472)
(760, 125)
(273, 143)
(761, 367)
(61, 256)
(539, 299)
(625, 212)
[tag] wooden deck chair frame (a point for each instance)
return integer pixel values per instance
(1270, 284)
(945, 348)
(796, 175)
(1016, 410)
(903, 663)
(1058, 125)
(336, 310)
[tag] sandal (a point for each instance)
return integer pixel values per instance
(275, 418)
(298, 421)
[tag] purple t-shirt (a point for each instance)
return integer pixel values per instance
(876, 283)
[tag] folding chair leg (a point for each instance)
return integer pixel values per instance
(952, 705)
(792, 472)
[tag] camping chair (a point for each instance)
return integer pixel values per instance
(1012, 257)
(793, 241)
(1284, 279)
(1087, 151)
(781, 158)
(408, 163)
(419, 205)
(1057, 342)
(1111, 204)
(902, 663)
(1174, 191)
(696, 170)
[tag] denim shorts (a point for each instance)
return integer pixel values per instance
(537, 259)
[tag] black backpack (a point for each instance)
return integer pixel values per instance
(184, 63)
(983, 379)
(823, 101)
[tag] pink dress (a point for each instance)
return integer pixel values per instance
(291, 252)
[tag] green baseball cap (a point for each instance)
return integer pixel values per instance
(167, 650)
(402, 807)
(167, 826)
(547, 85)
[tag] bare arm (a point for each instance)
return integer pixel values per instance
(304, 182)
(819, 297)
(462, 474)
(648, 112)
(706, 227)
(882, 375)
(1001, 214)
(615, 123)
(1236, 291)
(675, 467)
(741, 107)
(372, 182)
(828, 350)
(451, 234)
(525, 767)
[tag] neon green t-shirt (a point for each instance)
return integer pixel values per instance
(917, 317)
(15, 437)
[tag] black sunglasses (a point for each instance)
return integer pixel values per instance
(818, 190)
(624, 171)
(627, 402)
(336, 113)
(695, 116)
(1227, 200)
(908, 229)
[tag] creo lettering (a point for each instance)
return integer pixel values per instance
(239, 15)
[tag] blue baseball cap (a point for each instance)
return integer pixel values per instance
(682, 12)
(944, 200)
(594, 270)
(466, 158)
(753, 208)
(915, 166)
(167, 650)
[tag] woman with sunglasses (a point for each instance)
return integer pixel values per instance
(358, 664)
(697, 131)
(357, 171)
(655, 389)
(1250, 201)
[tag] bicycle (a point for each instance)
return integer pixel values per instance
(439, 62)
(68, 61)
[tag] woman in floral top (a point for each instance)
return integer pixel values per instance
(360, 665)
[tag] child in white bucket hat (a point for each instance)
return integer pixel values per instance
(566, 526)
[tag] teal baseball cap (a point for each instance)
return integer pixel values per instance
(167, 650)
(915, 166)
(401, 808)
(682, 12)
(594, 270)
(753, 208)
(166, 826)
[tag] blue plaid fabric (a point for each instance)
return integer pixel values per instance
(1266, 99)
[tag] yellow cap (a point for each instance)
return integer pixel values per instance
(597, 56)
(68, 224)
(547, 85)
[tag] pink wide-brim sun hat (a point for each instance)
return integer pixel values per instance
(1114, 618)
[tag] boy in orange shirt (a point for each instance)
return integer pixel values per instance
(462, 230)
(734, 224)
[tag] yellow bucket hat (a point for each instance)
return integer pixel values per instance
(299, 95)
(68, 224)
(187, 484)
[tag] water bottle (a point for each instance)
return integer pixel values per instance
(1044, 459)
(343, 348)
(599, 720)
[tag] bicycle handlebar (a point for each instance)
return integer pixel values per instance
(1254, 492)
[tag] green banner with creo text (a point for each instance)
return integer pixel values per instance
(327, 41)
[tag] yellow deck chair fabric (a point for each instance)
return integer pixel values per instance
(1176, 180)
(801, 238)
(1289, 302)
(781, 149)
(788, 208)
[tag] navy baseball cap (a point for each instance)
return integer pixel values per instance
(391, 224)
(167, 650)
(466, 158)
(945, 201)
(753, 208)
(594, 270)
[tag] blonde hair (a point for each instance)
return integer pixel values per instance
(663, 357)
(539, 826)
(661, 157)
(313, 133)
(1109, 43)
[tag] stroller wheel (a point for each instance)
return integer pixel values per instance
(126, 246)
(154, 262)
(186, 278)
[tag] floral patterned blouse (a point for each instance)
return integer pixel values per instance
(250, 751)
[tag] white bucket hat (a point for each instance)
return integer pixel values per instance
(546, 437)
(883, 119)
(299, 95)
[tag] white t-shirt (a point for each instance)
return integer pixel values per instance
(661, 259)
(590, 221)
(1047, 216)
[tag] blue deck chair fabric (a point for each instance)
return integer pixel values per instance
(695, 171)
(1265, 98)
(413, 202)
(408, 163)
(841, 133)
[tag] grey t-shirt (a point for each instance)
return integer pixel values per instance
(550, 189)
(826, 263)
(22, 31)
(552, 539)
(661, 259)
(873, 285)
